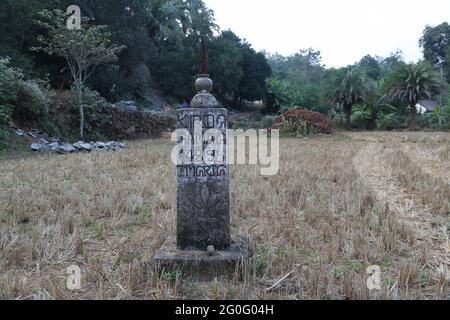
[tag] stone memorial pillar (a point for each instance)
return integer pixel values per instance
(203, 195)
(203, 247)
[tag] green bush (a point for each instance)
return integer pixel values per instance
(95, 112)
(65, 117)
(438, 119)
(31, 105)
(297, 127)
(425, 121)
(267, 121)
(93, 99)
(5, 114)
(388, 122)
(4, 134)
(278, 95)
(10, 78)
(21, 100)
(360, 119)
(393, 121)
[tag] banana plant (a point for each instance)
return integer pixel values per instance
(440, 115)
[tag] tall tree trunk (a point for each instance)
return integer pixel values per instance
(80, 101)
(236, 100)
(412, 125)
(373, 120)
(440, 117)
(341, 114)
(348, 116)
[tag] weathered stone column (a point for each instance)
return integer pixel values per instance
(203, 192)
(203, 247)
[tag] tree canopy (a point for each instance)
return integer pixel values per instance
(436, 46)
(162, 48)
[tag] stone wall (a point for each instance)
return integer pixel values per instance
(124, 124)
(105, 121)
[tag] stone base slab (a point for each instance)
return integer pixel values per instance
(200, 265)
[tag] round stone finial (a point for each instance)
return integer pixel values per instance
(203, 83)
(204, 99)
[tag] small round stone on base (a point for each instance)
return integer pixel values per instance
(210, 250)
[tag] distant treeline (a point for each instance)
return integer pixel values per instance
(376, 92)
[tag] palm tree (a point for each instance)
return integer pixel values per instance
(202, 20)
(167, 18)
(375, 101)
(349, 88)
(412, 83)
(180, 17)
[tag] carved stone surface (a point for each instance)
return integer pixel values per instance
(203, 197)
(203, 248)
(203, 100)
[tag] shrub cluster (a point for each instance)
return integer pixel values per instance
(23, 100)
(10, 80)
(302, 122)
(31, 104)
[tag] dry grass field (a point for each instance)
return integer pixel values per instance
(339, 204)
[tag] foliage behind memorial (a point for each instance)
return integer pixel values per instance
(357, 94)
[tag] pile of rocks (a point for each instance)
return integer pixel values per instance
(127, 105)
(80, 146)
(34, 133)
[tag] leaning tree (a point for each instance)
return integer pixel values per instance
(83, 49)
(412, 83)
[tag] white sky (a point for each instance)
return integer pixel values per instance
(343, 30)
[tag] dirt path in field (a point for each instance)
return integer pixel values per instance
(372, 165)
